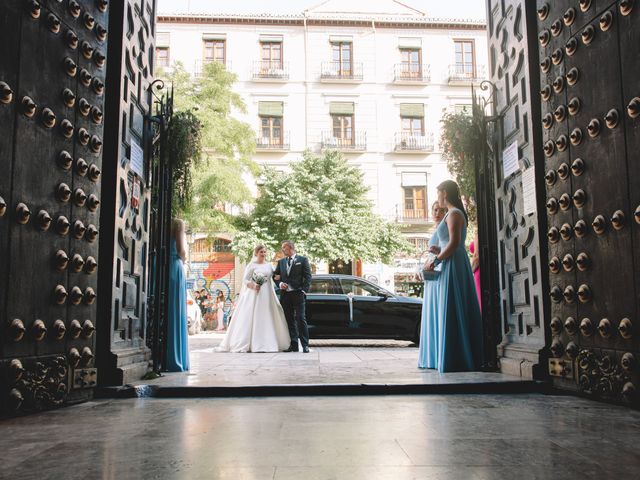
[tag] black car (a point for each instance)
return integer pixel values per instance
(344, 306)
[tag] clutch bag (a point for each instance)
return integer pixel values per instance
(429, 275)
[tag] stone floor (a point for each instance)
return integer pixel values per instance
(380, 362)
(458, 437)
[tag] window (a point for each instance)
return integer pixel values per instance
(411, 59)
(412, 126)
(421, 244)
(271, 55)
(343, 129)
(271, 131)
(465, 61)
(341, 55)
(415, 202)
(162, 56)
(322, 286)
(359, 288)
(215, 51)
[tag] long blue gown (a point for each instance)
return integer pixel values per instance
(428, 352)
(459, 322)
(177, 343)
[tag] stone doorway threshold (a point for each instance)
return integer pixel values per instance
(333, 367)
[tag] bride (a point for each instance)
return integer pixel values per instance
(258, 322)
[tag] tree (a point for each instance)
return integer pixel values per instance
(227, 147)
(460, 143)
(322, 205)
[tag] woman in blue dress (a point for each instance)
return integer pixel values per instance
(177, 343)
(457, 313)
(427, 354)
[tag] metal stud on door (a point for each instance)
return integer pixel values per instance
(46, 53)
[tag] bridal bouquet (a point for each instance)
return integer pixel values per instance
(258, 278)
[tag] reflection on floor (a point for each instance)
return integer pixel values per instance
(329, 362)
(454, 437)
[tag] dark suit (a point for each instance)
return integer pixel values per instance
(293, 302)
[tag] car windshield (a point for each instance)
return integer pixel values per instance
(359, 288)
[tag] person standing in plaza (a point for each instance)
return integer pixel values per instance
(293, 277)
(459, 323)
(177, 334)
(219, 311)
(427, 353)
(259, 324)
(475, 267)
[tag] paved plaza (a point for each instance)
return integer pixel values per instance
(336, 362)
(457, 437)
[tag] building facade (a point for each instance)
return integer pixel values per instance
(372, 82)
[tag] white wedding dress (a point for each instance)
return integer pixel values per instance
(258, 323)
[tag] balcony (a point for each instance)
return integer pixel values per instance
(341, 71)
(269, 70)
(412, 143)
(269, 144)
(199, 67)
(409, 218)
(357, 142)
(413, 217)
(465, 75)
(412, 73)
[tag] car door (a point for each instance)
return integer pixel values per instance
(327, 310)
(375, 311)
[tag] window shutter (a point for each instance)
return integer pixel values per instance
(270, 109)
(407, 42)
(412, 110)
(341, 108)
(214, 36)
(270, 38)
(340, 39)
(417, 179)
(163, 39)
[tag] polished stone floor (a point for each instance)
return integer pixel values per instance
(457, 437)
(379, 362)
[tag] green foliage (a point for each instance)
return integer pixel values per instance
(227, 146)
(461, 142)
(322, 205)
(185, 150)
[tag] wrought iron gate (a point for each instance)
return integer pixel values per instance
(52, 78)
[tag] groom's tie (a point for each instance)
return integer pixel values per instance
(288, 262)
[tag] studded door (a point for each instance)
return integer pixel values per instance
(511, 26)
(590, 78)
(125, 212)
(52, 71)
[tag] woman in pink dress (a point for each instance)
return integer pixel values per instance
(219, 312)
(475, 267)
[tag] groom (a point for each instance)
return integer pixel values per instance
(293, 276)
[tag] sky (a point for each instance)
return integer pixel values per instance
(471, 9)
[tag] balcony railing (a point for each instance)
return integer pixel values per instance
(408, 216)
(341, 71)
(412, 72)
(410, 142)
(273, 144)
(466, 74)
(356, 142)
(199, 67)
(269, 69)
